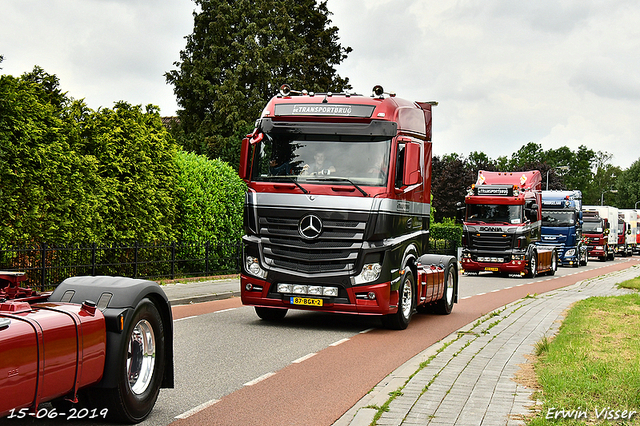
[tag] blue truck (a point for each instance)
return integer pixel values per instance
(562, 226)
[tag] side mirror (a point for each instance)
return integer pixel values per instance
(244, 153)
(460, 210)
(411, 173)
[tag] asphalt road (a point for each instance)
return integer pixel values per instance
(234, 369)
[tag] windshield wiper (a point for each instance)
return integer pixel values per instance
(346, 180)
(290, 179)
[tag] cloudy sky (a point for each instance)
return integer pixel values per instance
(505, 73)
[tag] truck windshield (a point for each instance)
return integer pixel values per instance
(317, 158)
(558, 218)
(592, 227)
(494, 213)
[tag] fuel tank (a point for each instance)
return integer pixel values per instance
(48, 350)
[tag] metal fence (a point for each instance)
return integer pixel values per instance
(48, 265)
(449, 247)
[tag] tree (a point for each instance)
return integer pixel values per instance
(580, 172)
(136, 168)
(628, 186)
(529, 153)
(239, 54)
(41, 178)
(72, 175)
(449, 182)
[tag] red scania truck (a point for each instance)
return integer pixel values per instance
(337, 209)
(96, 347)
(502, 223)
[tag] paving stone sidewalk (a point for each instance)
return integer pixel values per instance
(468, 377)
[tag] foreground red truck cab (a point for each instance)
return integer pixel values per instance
(502, 226)
(96, 347)
(337, 209)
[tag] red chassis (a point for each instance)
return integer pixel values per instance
(105, 342)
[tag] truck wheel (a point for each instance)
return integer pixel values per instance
(140, 367)
(445, 304)
(533, 265)
(406, 304)
(584, 258)
(554, 263)
(270, 314)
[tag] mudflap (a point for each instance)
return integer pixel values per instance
(547, 260)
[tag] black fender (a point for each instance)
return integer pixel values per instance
(409, 258)
(117, 297)
(441, 260)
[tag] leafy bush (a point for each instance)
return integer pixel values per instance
(69, 174)
(210, 199)
(446, 231)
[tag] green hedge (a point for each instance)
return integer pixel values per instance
(446, 231)
(70, 175)
(210, 199)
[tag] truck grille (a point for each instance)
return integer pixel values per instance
(335, 250)
(489, 242)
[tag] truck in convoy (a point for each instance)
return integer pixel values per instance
(337, 209)
(501, 226)
(96, 347)
(600, 230)
(632, 216)
(562, 226)
(627, 239)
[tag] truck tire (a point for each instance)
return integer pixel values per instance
(270, 314)
(584, 258)
(533, 265)
(445, 304)
(140, 368)
(406, 304)
(554, 263)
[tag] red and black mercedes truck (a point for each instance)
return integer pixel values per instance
(96, 347)
(502, 224)
(337, 209)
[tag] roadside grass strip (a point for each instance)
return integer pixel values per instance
(590, 371)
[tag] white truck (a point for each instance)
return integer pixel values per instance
(630, 218)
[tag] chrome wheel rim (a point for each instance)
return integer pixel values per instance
(533, 265)
(141, 357)
(449, 289)
(406, 299)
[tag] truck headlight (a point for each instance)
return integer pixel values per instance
(370, 272)
(570, 252)
(252, 265)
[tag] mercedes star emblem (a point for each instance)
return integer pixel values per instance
(310, 227)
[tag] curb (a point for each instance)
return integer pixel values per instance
(204, 298)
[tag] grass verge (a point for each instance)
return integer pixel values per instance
(590, 372)
(632, 284)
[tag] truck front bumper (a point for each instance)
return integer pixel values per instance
(372, 299)
(511, 267)
(597, 251)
